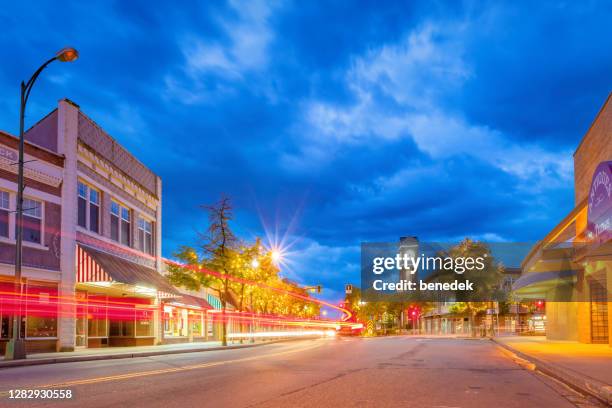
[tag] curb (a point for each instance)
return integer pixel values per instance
(74, 359)
(580, 383)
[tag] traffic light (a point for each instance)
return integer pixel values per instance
(414, 311)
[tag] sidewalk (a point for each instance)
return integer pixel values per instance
(585, 367)
(108, 353)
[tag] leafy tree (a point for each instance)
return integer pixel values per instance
(486, 281)
(219, 252)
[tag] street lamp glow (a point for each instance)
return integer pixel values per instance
(67, 54)
(276, 255)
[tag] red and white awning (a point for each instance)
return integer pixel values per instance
(88, 270)
(95, 266)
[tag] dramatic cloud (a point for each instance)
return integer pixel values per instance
(332, 124)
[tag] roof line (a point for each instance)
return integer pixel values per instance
(593, 122)
(40, 120)
(33, 144)
(93, 122)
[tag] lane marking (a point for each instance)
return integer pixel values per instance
(161, 371)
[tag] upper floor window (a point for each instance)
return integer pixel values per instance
(145, 236)
(4, 214)
(120, 223)
(32, 220)
(88, 207)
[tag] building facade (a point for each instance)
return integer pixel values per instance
(93, 270)
(571, 267)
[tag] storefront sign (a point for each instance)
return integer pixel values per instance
(600, 204)
(8, 154)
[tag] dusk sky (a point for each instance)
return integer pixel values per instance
(331, 124)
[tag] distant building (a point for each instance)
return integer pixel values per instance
(442, 319)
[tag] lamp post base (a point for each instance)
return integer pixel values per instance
(15, 350)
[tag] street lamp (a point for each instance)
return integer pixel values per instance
(15, 348)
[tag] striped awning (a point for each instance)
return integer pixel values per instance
(214, 301)
(190, 300)
(88, 270)
(96, 266)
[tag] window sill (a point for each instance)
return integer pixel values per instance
(41, 338)
(25, 243)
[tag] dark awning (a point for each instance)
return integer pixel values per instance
(124, 271)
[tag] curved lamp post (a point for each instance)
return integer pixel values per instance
(15, 348)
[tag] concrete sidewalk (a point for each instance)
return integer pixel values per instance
(109, 353)
(585, 367)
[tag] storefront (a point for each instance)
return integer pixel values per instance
(185, 319)
(39, 311)
(118, 301)
(571, 267)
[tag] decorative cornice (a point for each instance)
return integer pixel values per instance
(114, 177)
(7, 164)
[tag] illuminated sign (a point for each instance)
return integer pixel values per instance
(600, 204)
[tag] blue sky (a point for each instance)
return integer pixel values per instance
(329, 124)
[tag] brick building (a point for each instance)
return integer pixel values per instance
(571, 267)
(92, 242)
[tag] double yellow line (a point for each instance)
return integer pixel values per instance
(119, 377)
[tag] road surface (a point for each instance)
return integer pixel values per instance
(380, 372)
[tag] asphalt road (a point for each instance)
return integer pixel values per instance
(383, 372)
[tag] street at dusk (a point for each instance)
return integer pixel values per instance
(386, 372)
(275, 203)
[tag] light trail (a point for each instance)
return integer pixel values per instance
(347, 313)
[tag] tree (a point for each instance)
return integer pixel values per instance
(387, 311)
(486, 280)
(244, 270)
(219, 253)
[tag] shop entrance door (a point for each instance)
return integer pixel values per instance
(599, 309)
(81, 320)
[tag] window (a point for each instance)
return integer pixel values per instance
(41, 320)
(144, 324)
(97, 319)
(88, 207)
(4, 214)
(82, 205)
(125, 226)
(114, 221)
(145, 236)
(32, 220)
(122, 328)
(94, 210)
(120, 223)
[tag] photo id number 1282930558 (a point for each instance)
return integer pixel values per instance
(40, 394)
